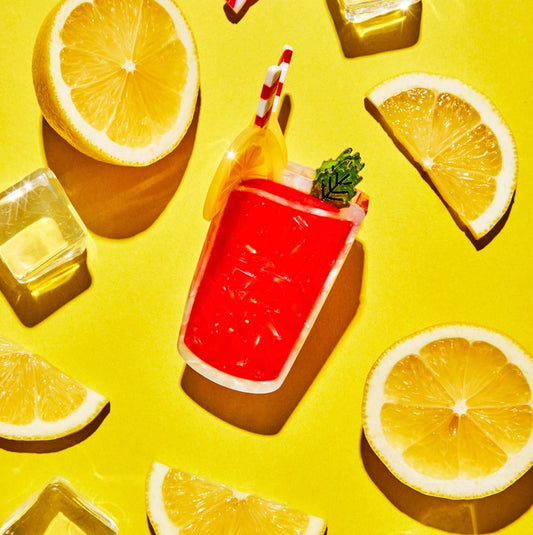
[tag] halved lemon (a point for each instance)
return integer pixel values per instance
(460, 140)
(255, 153)
(39, 401)
(179, 502)
(118, 79)
(449, 410)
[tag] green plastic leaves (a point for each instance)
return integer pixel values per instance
(336, 180)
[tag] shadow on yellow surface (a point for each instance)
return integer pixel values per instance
(58, 444)
(35, 301)
(398, 29)
(472, 517)
(284, 113)
(236, 17)
(117, 201)
(267, 413)
(152, 530)
(477, 243)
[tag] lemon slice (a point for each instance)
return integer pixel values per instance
(38, 401)
(449, 410)
(179, 502)
(460, 140)
(117, 80)
(255, 153)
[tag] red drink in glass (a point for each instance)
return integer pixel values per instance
(268, 263)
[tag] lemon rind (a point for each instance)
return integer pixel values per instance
(39, 429)
(154, 501)
(71, 125)
(459, 488)
(164, 526)
(489, 115)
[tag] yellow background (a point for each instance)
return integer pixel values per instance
(303, 446)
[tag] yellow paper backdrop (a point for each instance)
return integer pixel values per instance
(411, 268)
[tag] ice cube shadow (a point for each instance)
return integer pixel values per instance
(34, 302)
(267, 413)
(399, 29)
(470, 517)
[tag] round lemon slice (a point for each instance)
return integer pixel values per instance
(255, 153)
(449, 410)
(117, 80)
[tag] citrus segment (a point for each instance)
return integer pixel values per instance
(458, 138)
(179, 502)
(117, 79)
(450, 411)
(255, 153)
(38, 401)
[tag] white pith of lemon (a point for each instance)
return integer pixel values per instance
(458, 138)
(449, 410)
(38, 401)
(180, 502)
(118, 79)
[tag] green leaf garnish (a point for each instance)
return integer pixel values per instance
(335, 180)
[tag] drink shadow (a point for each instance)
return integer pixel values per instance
(393, 31)
(471, 517)
(117, 201)
(34, 301)
(267, 413)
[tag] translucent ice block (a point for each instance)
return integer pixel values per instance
(362, 10)
(58, 509)
(39, 227)
(33, 245)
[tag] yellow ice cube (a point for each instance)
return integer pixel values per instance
(32, 247)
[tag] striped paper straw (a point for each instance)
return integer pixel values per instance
(236, 5)
(268, 92)
(284, 62)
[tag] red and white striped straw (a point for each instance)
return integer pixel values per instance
(236, 5)
(284, 62)
(268, 92)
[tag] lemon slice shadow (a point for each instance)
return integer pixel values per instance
(392, 31)
(57, 444)
(117, 201)
(477, 516)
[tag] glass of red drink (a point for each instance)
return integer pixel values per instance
(268, 263)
